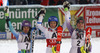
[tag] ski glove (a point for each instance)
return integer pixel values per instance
(59, 42)
(66, 6)
(82, 50)
(54, 49)
(6, 10)
(41, 12)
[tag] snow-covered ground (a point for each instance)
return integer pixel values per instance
(10, 46)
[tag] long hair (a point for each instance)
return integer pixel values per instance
(29, 34)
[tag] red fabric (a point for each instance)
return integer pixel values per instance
(45, 2)
(1, 2)
(56, 2)
(51, 42)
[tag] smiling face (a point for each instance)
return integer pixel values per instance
(53, 24)
(26, 29)
(80, 25)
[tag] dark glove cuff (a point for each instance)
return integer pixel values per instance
(7, 20)
(66, 6)
(59, 42)
(41, 12)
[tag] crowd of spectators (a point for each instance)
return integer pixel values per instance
(51, 2)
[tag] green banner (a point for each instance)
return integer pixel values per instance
(17, 15)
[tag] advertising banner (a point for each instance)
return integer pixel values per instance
(92, 17)
(3, 35)
(98, 33)
(17, 15)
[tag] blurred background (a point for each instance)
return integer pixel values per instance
(49, 2)
(20, 10)
(27, 9)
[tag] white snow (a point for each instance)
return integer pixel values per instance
(10, 46)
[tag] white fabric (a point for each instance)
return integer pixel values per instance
(48, 34)
(5, 2)
(22, 44)
(48, 50)
(76, 41)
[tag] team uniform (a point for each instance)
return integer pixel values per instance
(23, 40)
(77, 39)
(50, 34)
(77, 43)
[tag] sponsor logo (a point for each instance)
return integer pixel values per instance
(2, 35)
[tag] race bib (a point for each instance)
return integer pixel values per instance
(25, 46)
(78, 42)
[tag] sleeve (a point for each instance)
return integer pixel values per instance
(67, 22)
(39, 24)
(6, 9)
(1, 2)
(16, 34)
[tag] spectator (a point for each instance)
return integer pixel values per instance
(77, 1)
(56, 2)
(53, 2)
(36, 1)
(25, 2)
(4, 2)
(88, 2)
(44, 2)
(18, 2)
(1, 3)
(92, 1)
(71, 1)
(12, 2)
(60, 2)
(83, 2)
(15, 2)
(96, 1)
(30, 1)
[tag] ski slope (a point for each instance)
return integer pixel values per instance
(10, 46)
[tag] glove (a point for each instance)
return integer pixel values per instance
(82, 50)
(53, 49)
(41, 12)
(66, 6)
(6, 10)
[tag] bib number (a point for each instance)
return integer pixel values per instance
(27, 45)
(78, 43)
